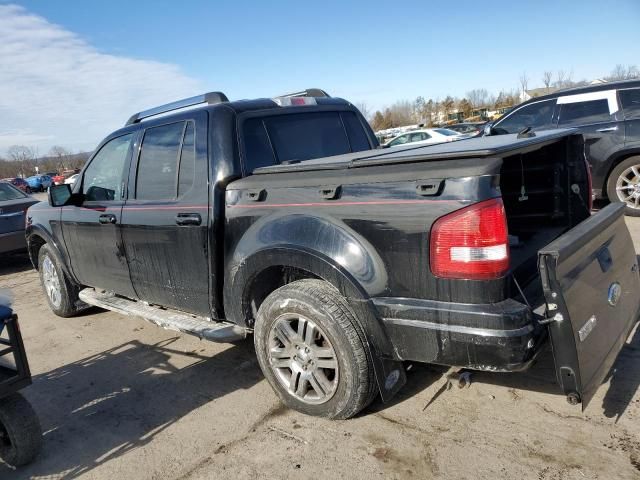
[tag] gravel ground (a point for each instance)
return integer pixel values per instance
(121, 399)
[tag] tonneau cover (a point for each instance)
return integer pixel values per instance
(479, 147)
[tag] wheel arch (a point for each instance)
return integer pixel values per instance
(36, 238)
(614, 161)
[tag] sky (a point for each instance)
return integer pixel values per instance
(71, 72)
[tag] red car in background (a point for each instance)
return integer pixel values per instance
(21, 184)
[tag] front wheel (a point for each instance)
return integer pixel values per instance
(20, 431)
(624, 185)
(28, 190)
(313, 351)
(61, 293)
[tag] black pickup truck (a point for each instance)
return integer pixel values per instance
(279, 218)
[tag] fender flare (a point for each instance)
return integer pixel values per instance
(36, 230)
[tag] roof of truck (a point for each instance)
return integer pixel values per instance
(478, 147)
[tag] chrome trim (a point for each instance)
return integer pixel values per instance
(482, 332)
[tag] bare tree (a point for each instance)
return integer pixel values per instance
(60, 157)
(524, 84)
(364, 110)
(546, 79)
(478, 97)
(621, 72)
(23, 156)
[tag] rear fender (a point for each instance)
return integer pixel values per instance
(327, 251)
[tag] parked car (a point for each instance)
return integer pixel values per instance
(21, 184)
(39, 183)
(58, 179)
(13, 207)
(471, 129)
(426, 136)
(608, 115)
(226, 220)
(72, 179)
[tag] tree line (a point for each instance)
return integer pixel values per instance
(433, 112)
(22, 160)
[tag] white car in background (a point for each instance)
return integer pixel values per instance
(425, 136)
(72, 179)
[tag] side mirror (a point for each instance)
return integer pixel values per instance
(487, 129)
(59, 195)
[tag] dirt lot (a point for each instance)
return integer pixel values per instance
(119, 398)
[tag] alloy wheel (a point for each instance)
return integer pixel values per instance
(628, 187)
(303, 359)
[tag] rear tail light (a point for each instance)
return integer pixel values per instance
(471, 243)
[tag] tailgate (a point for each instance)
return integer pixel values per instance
(592, 289)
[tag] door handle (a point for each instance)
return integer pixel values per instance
(107, 218)
(607, 129)
(188, 219)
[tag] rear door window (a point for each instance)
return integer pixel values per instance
(630, 103)
(301, 136)
(167, 162)
(584, 113)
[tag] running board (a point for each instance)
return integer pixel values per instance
(222, 332)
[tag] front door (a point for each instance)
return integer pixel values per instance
(165, 219)
(91, 231)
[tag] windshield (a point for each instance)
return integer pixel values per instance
(9, 192)
(445, 131)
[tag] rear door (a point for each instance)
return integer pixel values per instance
(166, 216)
(592, 289)
(598, 117)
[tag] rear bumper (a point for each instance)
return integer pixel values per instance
(13, 241)
(496, 337)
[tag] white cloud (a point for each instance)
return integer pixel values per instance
(57, 89)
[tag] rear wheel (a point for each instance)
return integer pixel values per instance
(313, 352)
(61, 293)
(20, 431)
(28, 190)
(624, 185)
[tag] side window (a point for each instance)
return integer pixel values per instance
(630, 103)
(417, 137)
(355, 131)
(536, 115)
(584, 113)
(103, 178)
(186, 172)
(401, 140)
(157, 167)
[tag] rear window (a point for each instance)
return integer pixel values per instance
(9, 192)
(301, 136)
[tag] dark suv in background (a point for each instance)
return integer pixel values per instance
(608, 115)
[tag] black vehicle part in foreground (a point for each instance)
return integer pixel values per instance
(277, 217)
(20, 431)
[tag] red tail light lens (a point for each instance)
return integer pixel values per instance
(471, 243)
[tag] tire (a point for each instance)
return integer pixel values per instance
(61, 293)
(20, 431)
(335, 379)
(28, 190)
(623, 175)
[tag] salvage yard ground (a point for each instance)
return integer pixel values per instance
(121, 399)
